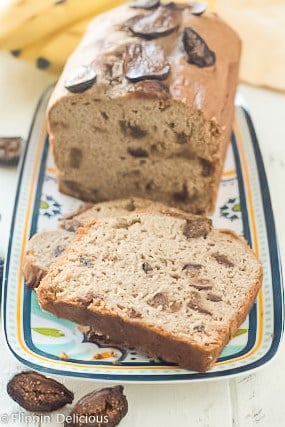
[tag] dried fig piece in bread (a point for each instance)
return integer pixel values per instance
(134, 314)
(83, 79)
(208, 167)
(197, 227)
(223, 259)
(37, 393)
(159, 23)
(138, 152)
(162, 301)
(196, 303)
(144, 61)
(191, 267)
(101, 407)
(197, 50)
(145, 4)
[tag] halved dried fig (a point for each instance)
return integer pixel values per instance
(37, 393)
(198, 52)
(144, 61)
(196, 8)
(145, 4)
(100, 407)
(149, 89)
(159, 23)
(83, 79)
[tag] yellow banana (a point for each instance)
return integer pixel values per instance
(51, 53)
(23, 22)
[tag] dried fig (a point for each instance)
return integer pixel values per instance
(37, 393)
(198, 52)
(144, 61)
(159, 23)
(100, 407)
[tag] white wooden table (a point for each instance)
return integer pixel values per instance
(256, 399)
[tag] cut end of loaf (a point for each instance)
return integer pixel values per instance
(154, 149)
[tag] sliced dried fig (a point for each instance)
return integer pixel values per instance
(37, 393)
(159, 300)
(214, 297)
(134, 131)
(208, 167)
(202, 284)
(198, 52)
(195, 303)
(197, 227)
(196, 8)
(10, 150)
(149, 89)
(223, 259)
(189, 267)
(138, 152)
(145, 4)
(101, 407)
(83, 79)
(159, 23)
(144, 61)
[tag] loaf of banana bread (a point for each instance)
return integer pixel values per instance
(145, 106)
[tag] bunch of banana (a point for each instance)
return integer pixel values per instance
(47, 31)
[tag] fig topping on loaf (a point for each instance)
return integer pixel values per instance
(145, 4)
(145, 61)
(159, 23)
(197, 50)
(83, 79)
(149, 89)
(197, 227)
(196, 8)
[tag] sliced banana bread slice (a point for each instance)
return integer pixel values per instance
(41, 250)
(44, 247)
(167, 284)
(89, 212)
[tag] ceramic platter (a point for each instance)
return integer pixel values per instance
(39, 339)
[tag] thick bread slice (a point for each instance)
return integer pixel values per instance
(41, 250)
(167, 284)
(44, 247)
(91, 212)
